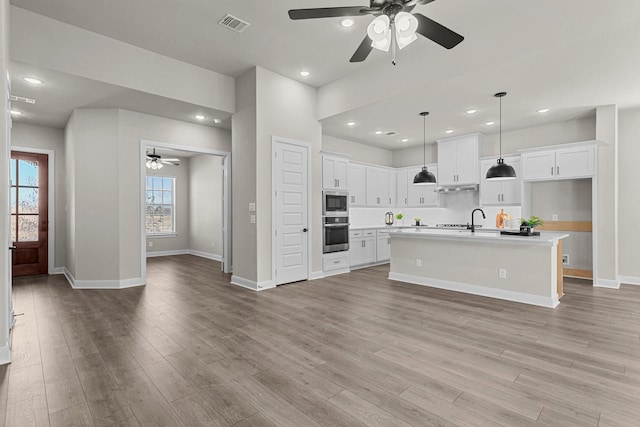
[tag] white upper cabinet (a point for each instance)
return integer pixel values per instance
(458, 160)
(335, 173)
(381, 187)
(357, 185)
(422, 195)
(494, 192)
(573, 161)
(402, 179)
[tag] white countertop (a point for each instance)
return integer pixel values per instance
(481, 236)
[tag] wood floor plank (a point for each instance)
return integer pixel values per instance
(189, 348)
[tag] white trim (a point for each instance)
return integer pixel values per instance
(162, 235)
(274, 225)
(51, 208)
(589, 143)
(629, 280)
(336, 272)
(607, 283)
(226, 200)
(550, 302)
(58, 270)
(315, 275)
(168, 253)
(5, 354)
(102, 284)
(250, 284)
(207, 255)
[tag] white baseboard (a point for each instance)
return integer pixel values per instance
(336, 272)
(315, 275)
(102, 284)
(606, 283)
(550, 302)
(5, 354)
(168, 253)
(250, 284)
(58, 270)
(629, 280)
(207, 255)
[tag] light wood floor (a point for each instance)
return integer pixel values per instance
(358, 350)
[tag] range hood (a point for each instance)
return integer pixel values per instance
(457, 188)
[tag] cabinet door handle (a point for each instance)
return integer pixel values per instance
(551, 170)
(389, 200)
(557, 170)
(405, 201)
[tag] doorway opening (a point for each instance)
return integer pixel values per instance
(30, 205)
(185, 204)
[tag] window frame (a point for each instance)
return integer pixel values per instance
(174, 180)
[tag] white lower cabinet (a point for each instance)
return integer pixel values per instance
(335, 261)
(383, 246)
(362, 247)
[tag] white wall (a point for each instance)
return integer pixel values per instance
(358, 152)
(179, 242)
(629, 200)
(5, 138)
(205, 204)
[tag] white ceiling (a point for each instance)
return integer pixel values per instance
(569, 56)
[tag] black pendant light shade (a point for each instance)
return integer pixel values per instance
(501, 171)
(424, 177)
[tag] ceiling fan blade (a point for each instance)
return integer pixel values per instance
(170, 160)
(437, 32)
(362, 51)
(412, 3)
(327, 12)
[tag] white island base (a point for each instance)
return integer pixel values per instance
(473, 263)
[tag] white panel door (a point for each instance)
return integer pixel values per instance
(539, 165)
(328, 176)
(291, 175)
(467, 161)
(402, 195)
(447, 163)
(575, 162)
(341, 174)
(357, 186)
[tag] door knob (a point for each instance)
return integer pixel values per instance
(304, 230)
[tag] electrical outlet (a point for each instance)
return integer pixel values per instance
(565, 259)
(252, 219)
(418, 263)
(554, 217)
(252, 207)
(150, 244)
(502, 273)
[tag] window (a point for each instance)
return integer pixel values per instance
(161, 208)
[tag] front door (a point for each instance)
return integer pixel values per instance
(29, 213)
(291, 233)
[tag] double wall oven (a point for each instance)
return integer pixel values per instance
(335, 218)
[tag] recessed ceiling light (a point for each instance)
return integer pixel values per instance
(217, 121)
(33, 80)
(471, 111)
(199, 117)
(448, 131)
(347, 22)
(404, 140)
(305, 73)
(16, 112)
(543, 110)
(351, 124)
(378, 132)
(490, 123)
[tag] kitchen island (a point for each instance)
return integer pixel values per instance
(515, 268)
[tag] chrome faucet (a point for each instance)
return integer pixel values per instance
(473, 226)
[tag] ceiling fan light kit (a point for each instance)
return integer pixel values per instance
(155, 161)
(424, 177)
(394, 20)
(501, 171)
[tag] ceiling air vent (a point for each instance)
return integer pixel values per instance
(23, 99)
(391, 133)
(233, 23)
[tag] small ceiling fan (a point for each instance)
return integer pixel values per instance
(155, 161)
(393, 21)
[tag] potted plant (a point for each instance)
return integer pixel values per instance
(527, 225)
(399, 217)
(417, 220)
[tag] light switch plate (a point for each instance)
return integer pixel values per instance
(252, 219)
(252, 207)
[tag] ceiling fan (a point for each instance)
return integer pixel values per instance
(393, 21)
(155, 161)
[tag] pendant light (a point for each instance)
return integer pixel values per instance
(501, 171)
(424, 177)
